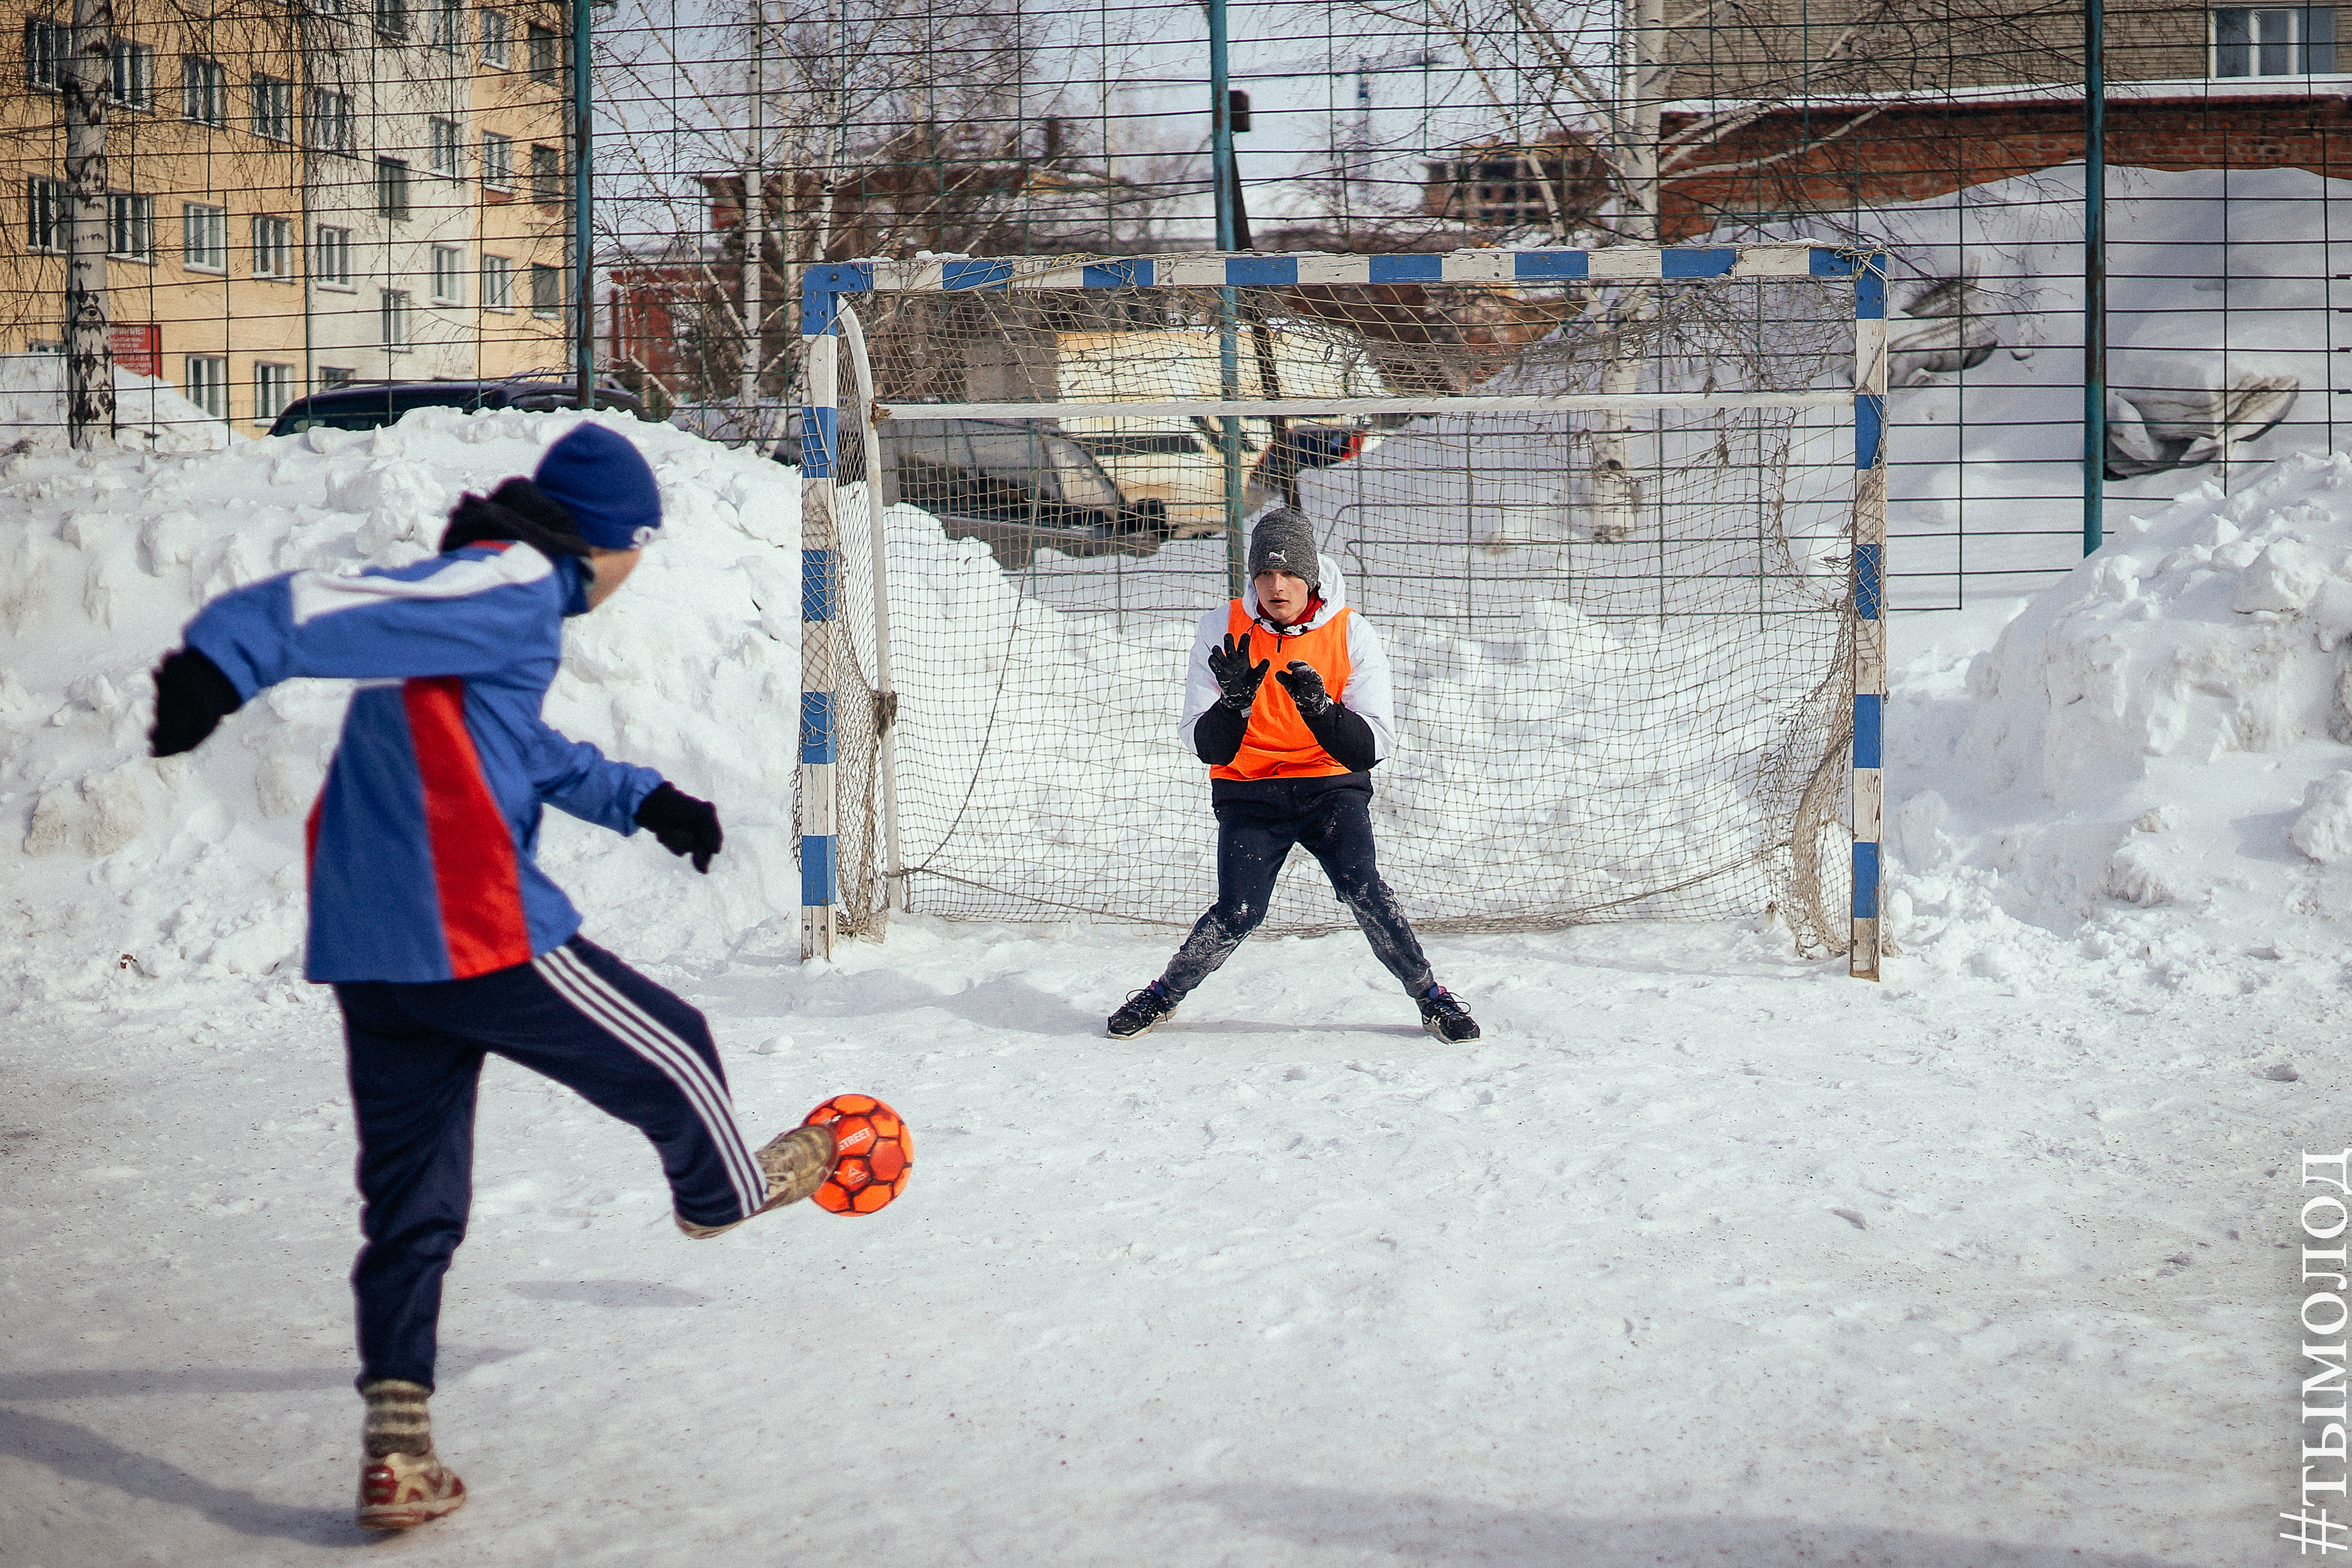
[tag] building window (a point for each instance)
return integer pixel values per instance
(204, 91)
(546, 290)
(45, 53)
(207, 383)
(273, 247)
(448, 275)
(129, 226)
(498, 162)
(497, 284)
(546, 57)
(395, 310)
(330, 120)
(330, 260)
(2274, 41)
(444, 134)
(546, 174)
(131, 80)
(273, 108)
(203, 237)
(496, 35)
(1502, 187)
(392, 187)
(47, 213)
(391, 19)
(333, 375)
(448, 26)
(273, 389)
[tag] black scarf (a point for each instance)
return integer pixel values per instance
(520, 510)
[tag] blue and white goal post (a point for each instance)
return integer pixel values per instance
(827, 287)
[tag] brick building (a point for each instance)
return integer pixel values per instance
(1920, 112)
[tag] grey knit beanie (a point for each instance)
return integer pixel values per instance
(1283, 541)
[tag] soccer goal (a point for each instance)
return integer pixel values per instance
(1619, 515)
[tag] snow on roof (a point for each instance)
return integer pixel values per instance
(2199, 88)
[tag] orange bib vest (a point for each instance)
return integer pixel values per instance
(1278, 744)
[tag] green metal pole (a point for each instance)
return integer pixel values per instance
(583, 261)
(1229, 373)
(2094, 274)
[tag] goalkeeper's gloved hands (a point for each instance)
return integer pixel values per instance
(191, 697)
(1237, 678)
(1305, 684)
(684, 824)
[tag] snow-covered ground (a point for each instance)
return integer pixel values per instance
(1703, 1255)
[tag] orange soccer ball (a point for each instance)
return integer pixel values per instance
(877, 1153)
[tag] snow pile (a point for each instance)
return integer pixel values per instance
(2219, 322)
(2164, 729)
(148, 412)
(114, 861)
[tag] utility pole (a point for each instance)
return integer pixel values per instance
(89, 357)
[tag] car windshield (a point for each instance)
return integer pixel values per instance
(1082, 483)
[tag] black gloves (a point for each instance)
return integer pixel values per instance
(684, 824)
(1305, 684)
(1237, 678)
(191, 697)
(1346, 736)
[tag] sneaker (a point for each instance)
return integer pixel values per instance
(401, 1491)
(795, 1163)
(1144, 1008)
(1444, 1015)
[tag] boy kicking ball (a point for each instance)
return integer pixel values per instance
(429, 916)
(1290, 762)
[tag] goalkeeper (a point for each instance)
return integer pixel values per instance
(1290, 762)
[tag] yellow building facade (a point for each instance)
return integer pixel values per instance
(300, 197)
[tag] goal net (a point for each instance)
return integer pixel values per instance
(1601, 514)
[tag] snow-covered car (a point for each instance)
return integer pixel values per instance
(1020, 488)
(1181, 462)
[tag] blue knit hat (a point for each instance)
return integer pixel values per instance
(606, 487)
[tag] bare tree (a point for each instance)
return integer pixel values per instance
(796, 135)
(89, 362)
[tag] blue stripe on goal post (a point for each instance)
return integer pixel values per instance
(1869, 575)
(820, 589)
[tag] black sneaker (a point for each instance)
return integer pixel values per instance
(1144, 1008)
(1444, 1015)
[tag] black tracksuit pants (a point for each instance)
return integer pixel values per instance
(1258, 820)
(576, 1015)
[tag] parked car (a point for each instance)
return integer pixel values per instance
(372, 404)
(1019, 486)
(1181, 463)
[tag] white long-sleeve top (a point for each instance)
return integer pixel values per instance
(1370, 692)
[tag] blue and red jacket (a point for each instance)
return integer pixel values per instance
(421, 845)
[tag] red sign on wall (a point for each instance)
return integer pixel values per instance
(137, 346)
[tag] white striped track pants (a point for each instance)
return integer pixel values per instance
(576, 1015)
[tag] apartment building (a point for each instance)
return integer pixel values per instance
(300, 197)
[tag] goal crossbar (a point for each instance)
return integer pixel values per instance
(1289, 407)
(826, 287)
